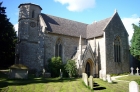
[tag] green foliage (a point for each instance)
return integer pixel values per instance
(135, 42)
(7, 39)
(70, 67)
(55, 64)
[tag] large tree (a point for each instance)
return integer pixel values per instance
(135, 42)
(8, 39)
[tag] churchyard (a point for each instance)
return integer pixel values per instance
(40, 84)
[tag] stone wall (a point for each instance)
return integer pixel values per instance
(100, 53)
(69, 46)
(116, 28)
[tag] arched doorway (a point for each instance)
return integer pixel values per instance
(87, 70)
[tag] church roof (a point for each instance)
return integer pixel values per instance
(72, 28)
(64, 26)
(97, 28)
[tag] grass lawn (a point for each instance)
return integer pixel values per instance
(130, 78)
(61, 85)
(42, 85)
(118, 86)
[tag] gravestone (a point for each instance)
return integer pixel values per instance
(43, 73)
(109, 78)
(85, 78)
(133, 87)
(132, 71)
(91, 82)
(61, 74)
(137, 71)
(104, 77)
(100, 74)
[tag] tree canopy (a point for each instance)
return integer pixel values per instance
(135, 42)
(8, 39)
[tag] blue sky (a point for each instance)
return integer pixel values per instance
(86, 11)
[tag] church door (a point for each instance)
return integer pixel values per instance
(87, 70)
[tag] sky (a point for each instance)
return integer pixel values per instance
(85, 11)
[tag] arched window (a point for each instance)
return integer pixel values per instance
(117, 50)
(58, 48)
(33, 14)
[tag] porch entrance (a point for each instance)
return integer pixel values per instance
(87, 70)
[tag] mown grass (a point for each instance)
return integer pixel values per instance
(33, 84)
(131, 78)
(116, 86)
(42, 85)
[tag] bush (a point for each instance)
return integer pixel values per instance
(54, 66)
(71, 69)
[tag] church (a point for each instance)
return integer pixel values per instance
(98, 47)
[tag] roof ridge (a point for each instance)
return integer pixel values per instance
(110, 19)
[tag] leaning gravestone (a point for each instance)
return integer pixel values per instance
(85, 78)
(133, 87)
(109, 78)
(132, 71)
(91, 82)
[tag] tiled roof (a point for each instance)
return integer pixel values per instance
(96, 29)
(72, 28)
(64, 26)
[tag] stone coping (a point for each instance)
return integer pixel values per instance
(18, 66)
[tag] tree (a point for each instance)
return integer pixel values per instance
(8, 39)
(71, 68)
(55, 64)
(135, 42)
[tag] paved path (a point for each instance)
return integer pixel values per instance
(115, 78)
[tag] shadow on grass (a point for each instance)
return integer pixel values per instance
(114, 82)
(5, 82)
(97, 87)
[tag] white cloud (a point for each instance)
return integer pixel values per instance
(128, 24)
(77, 5)
(16, 27)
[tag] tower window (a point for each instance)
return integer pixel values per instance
(117, 50)
(33, 14)
(58, 48)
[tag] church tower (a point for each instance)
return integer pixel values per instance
(28, 36)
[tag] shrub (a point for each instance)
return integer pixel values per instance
(70, 67)
(54, 65)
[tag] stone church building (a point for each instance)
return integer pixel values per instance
(102, 45)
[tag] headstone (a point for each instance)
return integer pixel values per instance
(132, 71)
(137, 71)
(85, 78)
(91, 82)
(109, 78)
(47, 75)
(100, 74)
(43, 72)
(104, 77)
(133, 87)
